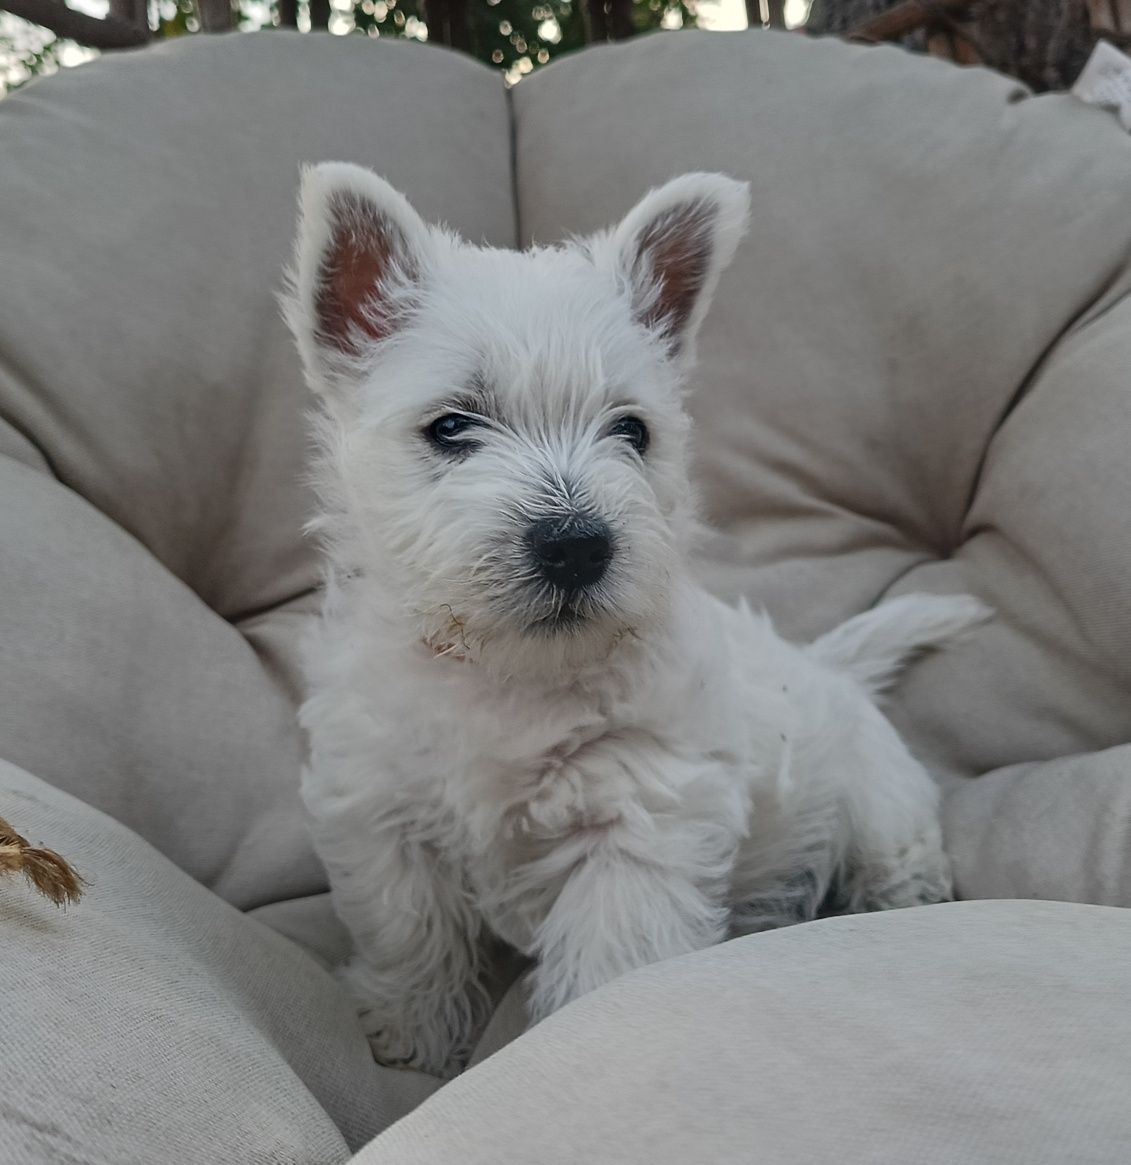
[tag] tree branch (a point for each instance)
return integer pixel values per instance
(109, 33)
(907, 17)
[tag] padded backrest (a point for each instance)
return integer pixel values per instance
(914, 375)
(153, 565)
(917, 372)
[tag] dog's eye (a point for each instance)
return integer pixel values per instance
(448, 431)
(633, 430)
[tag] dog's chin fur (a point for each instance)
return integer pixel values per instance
(550, 642)
(602, 778)
(552, 652)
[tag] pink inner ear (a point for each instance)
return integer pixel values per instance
(351, 298)
(677, 249)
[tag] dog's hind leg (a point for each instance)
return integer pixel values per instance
(892, 844)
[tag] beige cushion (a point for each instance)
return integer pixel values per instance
(153, 1023)
(914, 376)
(977, 1032)
(153, 568)
(898, 388)
(1055, 830)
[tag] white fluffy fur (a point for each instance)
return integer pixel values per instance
(644, 783)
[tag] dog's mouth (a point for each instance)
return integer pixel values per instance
(565, 618)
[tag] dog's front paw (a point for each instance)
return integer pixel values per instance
(402, 1031)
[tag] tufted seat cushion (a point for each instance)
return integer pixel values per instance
(915, 376)
(152, 415)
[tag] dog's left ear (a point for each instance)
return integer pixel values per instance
(672, 247)
(361, 255)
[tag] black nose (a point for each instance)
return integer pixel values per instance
(571, 553)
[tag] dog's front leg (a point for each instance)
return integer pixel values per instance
(414, 970)
(618, 911)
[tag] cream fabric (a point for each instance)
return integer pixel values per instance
(153, 1023)
(153, 572)
(898, 388)
(914, 376)
(120, 685)
(1061, 829)
(984, 1032)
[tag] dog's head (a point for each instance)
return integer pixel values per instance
(502, 440)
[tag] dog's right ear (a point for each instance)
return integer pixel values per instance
(360, 256)
(670, 250)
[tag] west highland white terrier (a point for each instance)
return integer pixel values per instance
(526, 721)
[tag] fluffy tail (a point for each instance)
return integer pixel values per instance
(877, 645)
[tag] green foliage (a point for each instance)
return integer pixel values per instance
(26, 51)
(514, 36)
(178, 18)
(389, 17)
(517, 36)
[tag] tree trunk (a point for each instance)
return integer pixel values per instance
(621, 26)
(910, 16)
(131, 12)
(216, 15)
(838, 16)
(288, 13)
(319, 14)
(775, 13)
(598, 24)
(1112, 15)
(448, 24)
(610, 20)
(1041, 42)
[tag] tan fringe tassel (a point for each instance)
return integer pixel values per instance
(52, 875)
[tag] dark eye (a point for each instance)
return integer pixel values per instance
(448, 431)
(633, 430)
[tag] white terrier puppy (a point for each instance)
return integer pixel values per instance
(526, 720)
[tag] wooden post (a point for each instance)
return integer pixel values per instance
(610, 20)
(774, 13)
(448, 24)
(621, 26)
(216, 15)
(131, 12)
(598, 25)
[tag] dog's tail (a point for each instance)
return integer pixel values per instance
(876, 646)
